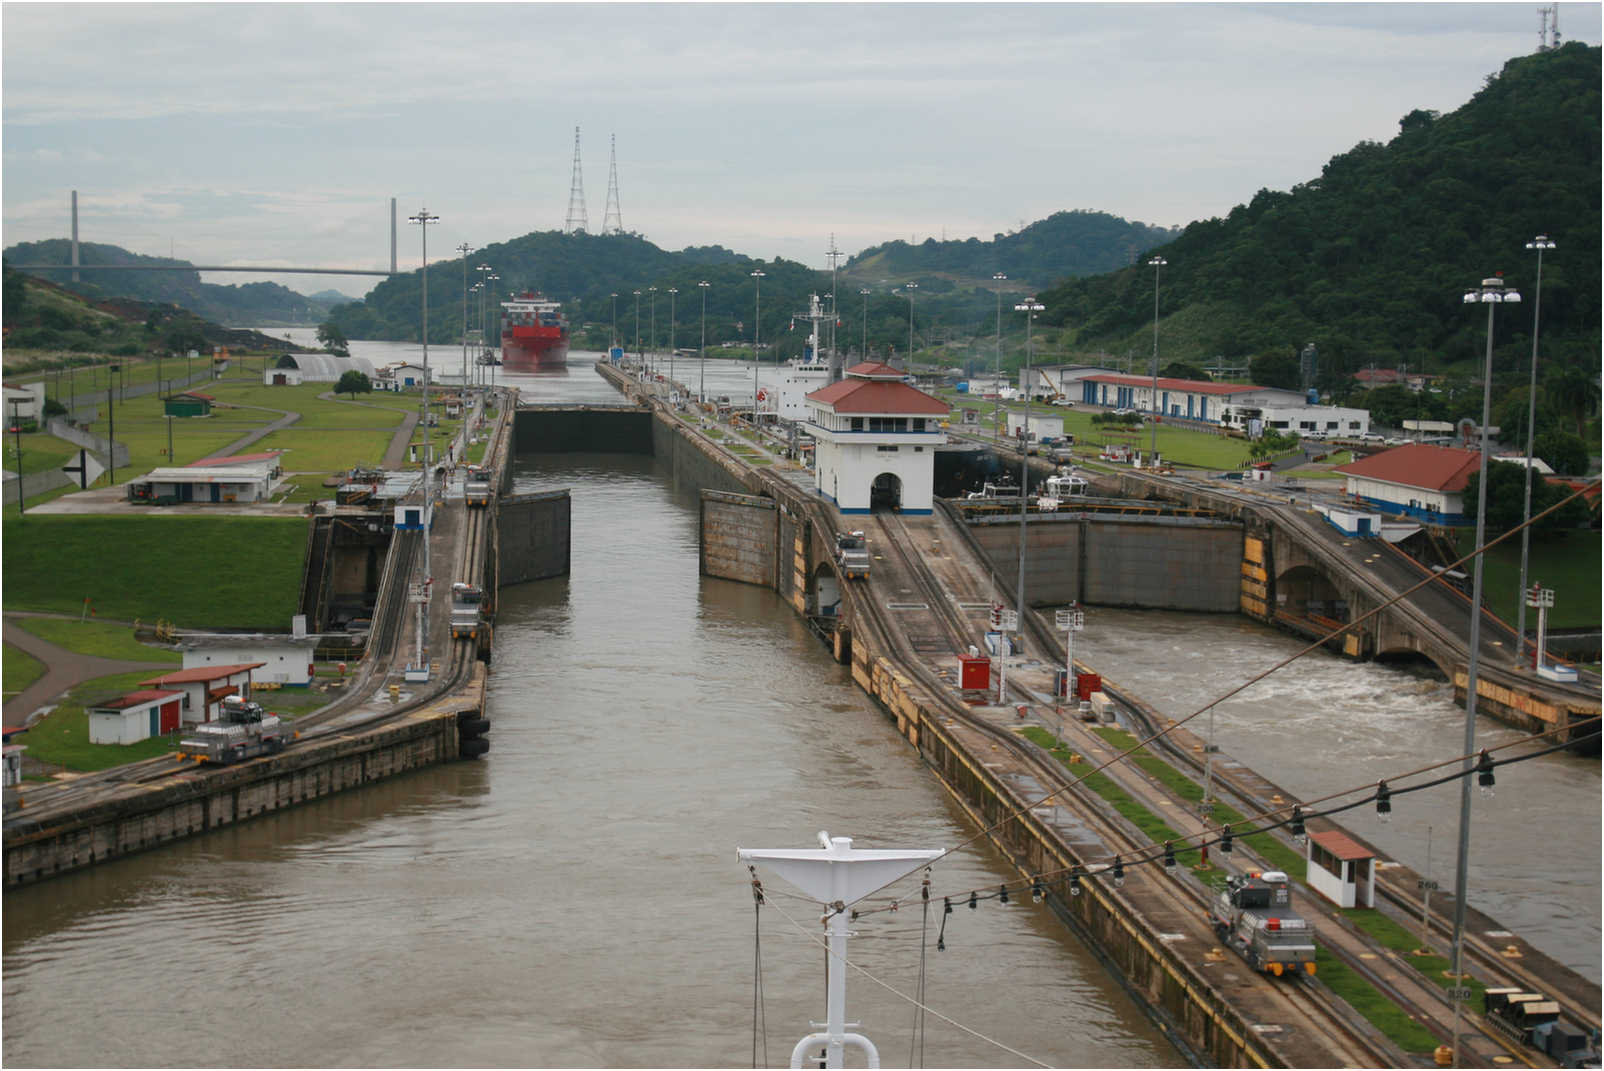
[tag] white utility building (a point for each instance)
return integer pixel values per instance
(876, 440)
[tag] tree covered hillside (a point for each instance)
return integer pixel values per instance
(1370, 260)
(237, 304)
(1062, 245)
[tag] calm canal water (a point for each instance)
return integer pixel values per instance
(574, 899)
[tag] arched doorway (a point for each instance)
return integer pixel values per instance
(886, 492)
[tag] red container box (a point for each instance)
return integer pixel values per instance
(974, 673)
(1086, 684)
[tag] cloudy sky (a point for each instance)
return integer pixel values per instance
(277, 133)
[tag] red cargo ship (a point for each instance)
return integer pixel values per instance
(534, 334)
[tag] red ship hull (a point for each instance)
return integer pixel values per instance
(528, 352)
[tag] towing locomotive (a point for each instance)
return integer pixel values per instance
(1253, 915)
(242, 731)
(1531, 1019)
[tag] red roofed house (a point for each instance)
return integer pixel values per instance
(203, 687)
(128, 719)
(876, 438)
(1341, 869)
(1418, 480)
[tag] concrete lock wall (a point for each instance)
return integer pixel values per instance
(533, 537)
(1156, 563)
(588, 429)
(182, 808)
(740, 538)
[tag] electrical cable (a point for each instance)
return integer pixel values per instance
(759, 1011)
(1025, 809)
(893, 990)
(1157, 853)
(924, 942)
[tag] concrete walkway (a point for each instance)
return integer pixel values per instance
(285, 419)
(64, 669)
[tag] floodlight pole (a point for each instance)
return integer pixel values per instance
(837, 876)
(423, 219)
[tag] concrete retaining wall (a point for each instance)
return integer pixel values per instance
(182, 808)
(589, 429)
(1156, 563)
(740, 538)
(533, 538)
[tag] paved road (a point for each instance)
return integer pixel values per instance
(64, 670)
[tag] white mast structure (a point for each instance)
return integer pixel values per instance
(838, 876)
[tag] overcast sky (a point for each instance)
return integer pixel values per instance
(275, 133)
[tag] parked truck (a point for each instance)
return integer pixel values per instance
(852, 555)
(242, 731)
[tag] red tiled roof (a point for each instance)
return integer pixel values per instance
(1341, 845)
(875, 369)
(202, 673)
(206, 462)
(1435, 468)
(877, 396)
(1193, 386)
(134, 699)
(195, 394)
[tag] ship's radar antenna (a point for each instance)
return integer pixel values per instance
(613, 220)
(577, 220)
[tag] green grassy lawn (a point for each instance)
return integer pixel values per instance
(103, 639)
(1568, 562)
(19, 670)
(197, 572)
(1375, 1006)
(40, 451)
(62, 736)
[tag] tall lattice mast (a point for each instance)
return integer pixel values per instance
(577, 220)
(613, 221)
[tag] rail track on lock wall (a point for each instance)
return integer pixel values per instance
(1254, 795)
(389, 622)
(914, 615)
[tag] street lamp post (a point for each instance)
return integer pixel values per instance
(465, 249)
(638, 355)
(16, 439)
(423, 219)
(1157, 264)
(996, 408)
(757, 329)
(910, 288)
(701, 387)
(1030, 309)
(1540, 243)
(111, 433)
(483, 271)
(612, 339)
(1491, 293)
(865, 292)
(672, 291)
(651, 339)
(490, 281)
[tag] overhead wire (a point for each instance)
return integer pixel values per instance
(1299, 811)
(1026, 808)
(919, 1004)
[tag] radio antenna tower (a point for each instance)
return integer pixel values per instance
(1548, 29)
(577, 220)
(613, 220)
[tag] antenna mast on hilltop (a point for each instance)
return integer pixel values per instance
(577, 220)
(1548, 29)
(613, 220)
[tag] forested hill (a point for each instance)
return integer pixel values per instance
(1065, 244)
(1370, 260)
(238, 304)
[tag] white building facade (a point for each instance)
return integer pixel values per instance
(876, 438)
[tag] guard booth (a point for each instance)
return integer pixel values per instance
(1341, 870)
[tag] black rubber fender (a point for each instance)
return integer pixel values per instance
(472, 749)
(470, 727)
